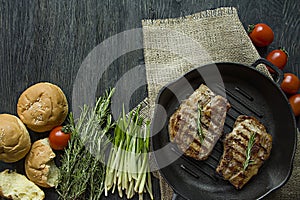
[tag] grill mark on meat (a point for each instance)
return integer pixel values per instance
(235, 146)
(183, 128)
(259, 151)
(238, 151)
(241, 134)
(194, 139)
(177, 118)
(205, 119)
(239, 142)
(233, 160)
(193, 132)
(191, 129)
(188, 115)
(258, 137)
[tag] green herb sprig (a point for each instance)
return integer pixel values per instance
(82, 171)
(199, 127)
(248, 151)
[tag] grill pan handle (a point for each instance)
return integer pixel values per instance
(279, 74)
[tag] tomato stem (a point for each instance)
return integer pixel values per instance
(66, 129)
(285, 51)
(251, 28)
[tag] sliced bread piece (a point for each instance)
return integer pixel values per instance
(16, 186)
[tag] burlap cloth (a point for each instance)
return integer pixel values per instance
(173, 47)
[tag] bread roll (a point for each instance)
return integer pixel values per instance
(39, 164)
(17, 186)
(14, 139)
(42, 107)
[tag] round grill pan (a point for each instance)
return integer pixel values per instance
(250, 93)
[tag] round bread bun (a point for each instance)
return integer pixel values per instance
(40, 167)
(14, 139)
(42, 107)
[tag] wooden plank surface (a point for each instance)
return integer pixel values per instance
(48, 40)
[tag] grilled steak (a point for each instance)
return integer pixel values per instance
(184, 124)
(245, 150)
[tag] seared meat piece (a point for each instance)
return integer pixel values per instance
(248, 136)
(184, 123)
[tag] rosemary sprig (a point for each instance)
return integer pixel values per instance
(82, 171)
(199, 127)
(248, 151)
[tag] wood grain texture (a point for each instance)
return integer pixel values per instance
(48, 40)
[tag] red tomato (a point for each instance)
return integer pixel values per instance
(278, 57)
(295, 104)
(58, 138)
(261, 34)
(290, 83)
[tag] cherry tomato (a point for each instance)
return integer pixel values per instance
(290, 83)
(59, 138)
(278, 57)
(295, 104)
(261, 34)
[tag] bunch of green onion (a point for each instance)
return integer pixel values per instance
(128, 167)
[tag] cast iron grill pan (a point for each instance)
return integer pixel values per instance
(249, 93)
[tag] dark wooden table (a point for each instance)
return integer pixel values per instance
(48, 40)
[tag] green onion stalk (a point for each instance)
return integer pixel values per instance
(128, 170)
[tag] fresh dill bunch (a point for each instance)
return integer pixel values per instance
(82, 169)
